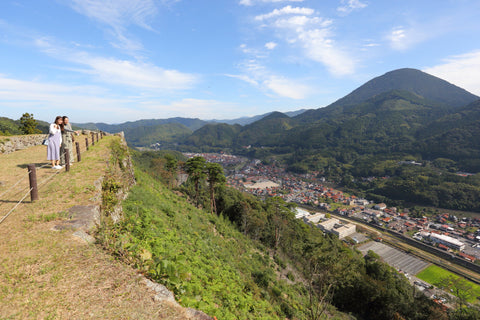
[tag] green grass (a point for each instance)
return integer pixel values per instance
(190, 251)
(434, 274)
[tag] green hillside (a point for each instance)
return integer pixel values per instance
(213, 135)
(455, 136)
(192, 124)
(415, 81)
(265, 131)
(13, 127)
(162, 133)
(367, 134)
(252, 260)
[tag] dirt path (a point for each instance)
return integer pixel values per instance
(47, 274)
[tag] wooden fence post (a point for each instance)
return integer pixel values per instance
(93, 138)
(86, 142)
(79, 156)
(67, 160)
(32, 177)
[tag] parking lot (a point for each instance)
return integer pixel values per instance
(396, 258)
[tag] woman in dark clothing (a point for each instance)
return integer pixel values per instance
(67, 141)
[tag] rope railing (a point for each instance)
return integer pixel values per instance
(18, 203)
(47, 179)
(16, 184)
(31, 174)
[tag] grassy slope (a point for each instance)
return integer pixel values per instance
(202, 257)
(46, 274)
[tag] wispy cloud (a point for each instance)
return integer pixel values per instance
(124, 72)
(191, 108)
(313, 35)
(259, 76)
(253, 2)
(117, 16)
(285, 87)
(402, 38)
(270, 45)
(398, 38)
(47, 100)
(461, 70)
(284, 11)
(350, 5)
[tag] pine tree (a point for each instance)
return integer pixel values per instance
(28, 124)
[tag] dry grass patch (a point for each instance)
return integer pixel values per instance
(47, 274)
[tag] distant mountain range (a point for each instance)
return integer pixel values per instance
(362, 142)
(191, 123)
(404, 111)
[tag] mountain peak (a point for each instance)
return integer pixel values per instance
(412, 80)
(275, 115)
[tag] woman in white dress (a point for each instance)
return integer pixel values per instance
(54, 142)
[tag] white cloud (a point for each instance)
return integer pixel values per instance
(252, 2)
(90, 103)
(398, 38)
(243, 77)
(286, 88)
(137, 74)
(257, 75)
(314, 36)
(270, 45)
(299, 23)
(124, 72)
(319, 47)
(285, 11)
(402, 38)
(191, 108)
(46, 100)
(118, 15)
(461, 70)
(350, 5)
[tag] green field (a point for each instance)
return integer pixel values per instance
(433, 275)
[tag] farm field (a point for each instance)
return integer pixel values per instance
(433, 274)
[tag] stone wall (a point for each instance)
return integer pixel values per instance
(9, 144)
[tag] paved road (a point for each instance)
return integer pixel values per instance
(394, 257)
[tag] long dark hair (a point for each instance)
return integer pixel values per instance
(56, 119)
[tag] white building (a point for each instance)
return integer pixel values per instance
(345, 231)
(328, 224)
(300, 213)
(380, 206)
(448, 241)
(362, 202)
(314, 218)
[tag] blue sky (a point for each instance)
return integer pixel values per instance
(122, 60)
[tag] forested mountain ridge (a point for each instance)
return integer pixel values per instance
(351, 143)
(191, 123)
(455, 136)
(391, 113)
(217, 135)
(14, 127)
(415, 81)
(166, 133)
